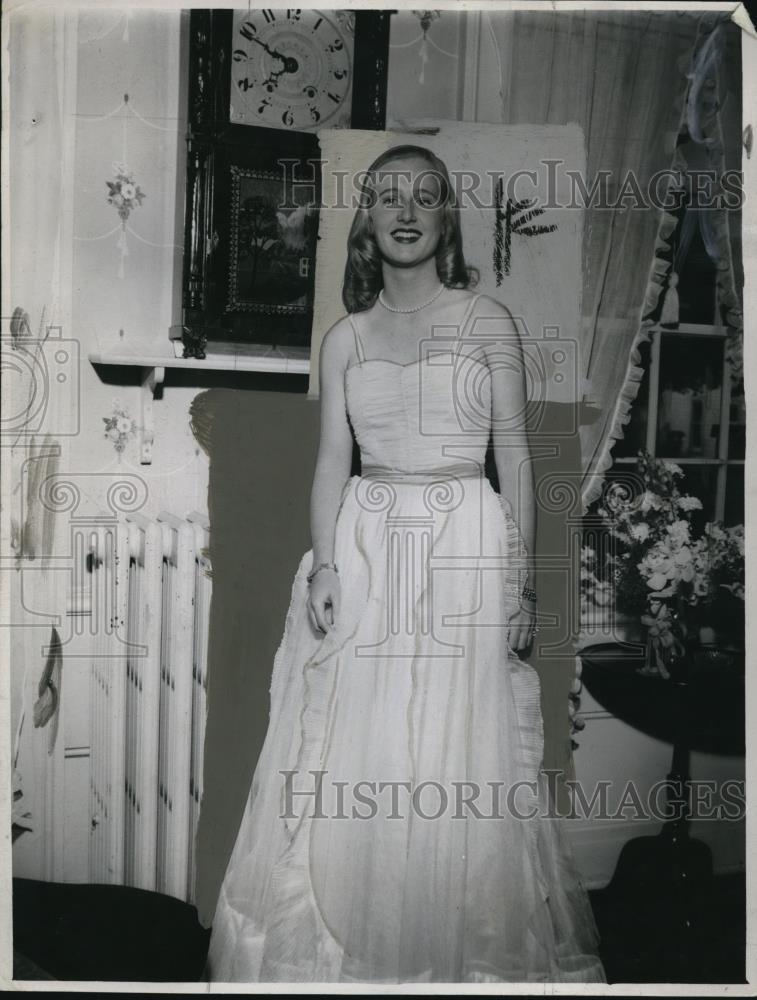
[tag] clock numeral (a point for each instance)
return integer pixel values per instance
(265, 103)
(288, 118)
(315, 114)
(294, 15)
(339, 74)
(244, 84)
(317, 24)
(239, 55)
(309, 91)
(248, 30)
(269, 16)
(334, 98)
(336, 46)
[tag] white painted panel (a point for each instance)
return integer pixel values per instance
(76, 818)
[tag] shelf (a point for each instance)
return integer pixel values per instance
(287, 360)
(280, 360)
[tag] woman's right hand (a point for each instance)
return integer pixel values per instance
(323, 602)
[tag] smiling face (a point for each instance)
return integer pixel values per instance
(408, 212)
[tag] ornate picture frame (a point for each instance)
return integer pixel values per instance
(271, 249)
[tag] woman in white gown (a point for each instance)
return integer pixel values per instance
(397, 825)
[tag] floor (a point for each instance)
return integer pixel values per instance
(646, 938)
(111, 933)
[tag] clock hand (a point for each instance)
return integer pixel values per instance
(273, 78)
(290, 64)
(266, 46)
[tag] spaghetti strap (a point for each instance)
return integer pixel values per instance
(464, 322)
(358, 341)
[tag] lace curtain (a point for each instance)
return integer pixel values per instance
(623, 78)
(713, 149)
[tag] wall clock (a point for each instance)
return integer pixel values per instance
(292, 68)
(261, 83)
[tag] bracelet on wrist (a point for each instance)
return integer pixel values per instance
(528, 593)
(323, 565)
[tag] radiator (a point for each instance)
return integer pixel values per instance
(148, 699)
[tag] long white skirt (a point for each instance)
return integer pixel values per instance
(386, 837)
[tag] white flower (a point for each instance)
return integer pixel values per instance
(640, 532)
(602, 595)
(128, 191)
(657, 567)
(713, 529)
(672, 468)
(684, 563)
(649, 501)
(689, 503)
(123, 425)
(679, 532)
(737, 535)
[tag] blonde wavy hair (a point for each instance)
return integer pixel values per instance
(363, 278)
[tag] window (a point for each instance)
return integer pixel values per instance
(688, 410)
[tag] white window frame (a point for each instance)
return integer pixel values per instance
(722, 461)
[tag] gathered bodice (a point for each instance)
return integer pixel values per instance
(430, 415)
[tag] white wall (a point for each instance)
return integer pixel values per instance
(124, 295)
(136, 54)
(419, 88)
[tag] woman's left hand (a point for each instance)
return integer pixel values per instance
(522, 626)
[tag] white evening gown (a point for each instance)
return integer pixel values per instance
(403, 881)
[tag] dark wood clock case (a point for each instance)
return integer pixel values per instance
(232, 292)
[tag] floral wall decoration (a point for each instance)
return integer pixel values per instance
(417, 50)
(123, 193)
(125, 196)
(425, 17)
(120, 428)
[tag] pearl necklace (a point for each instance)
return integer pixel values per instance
(412, 309)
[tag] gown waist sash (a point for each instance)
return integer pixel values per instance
(461, 470)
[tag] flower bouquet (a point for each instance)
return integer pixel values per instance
(686, 588)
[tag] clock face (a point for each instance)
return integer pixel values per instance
(291, 68)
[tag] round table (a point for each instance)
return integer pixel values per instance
(664, 882)
(704, 707)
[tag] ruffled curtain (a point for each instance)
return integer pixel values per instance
(622, 76)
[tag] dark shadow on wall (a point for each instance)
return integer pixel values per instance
(262, 447)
